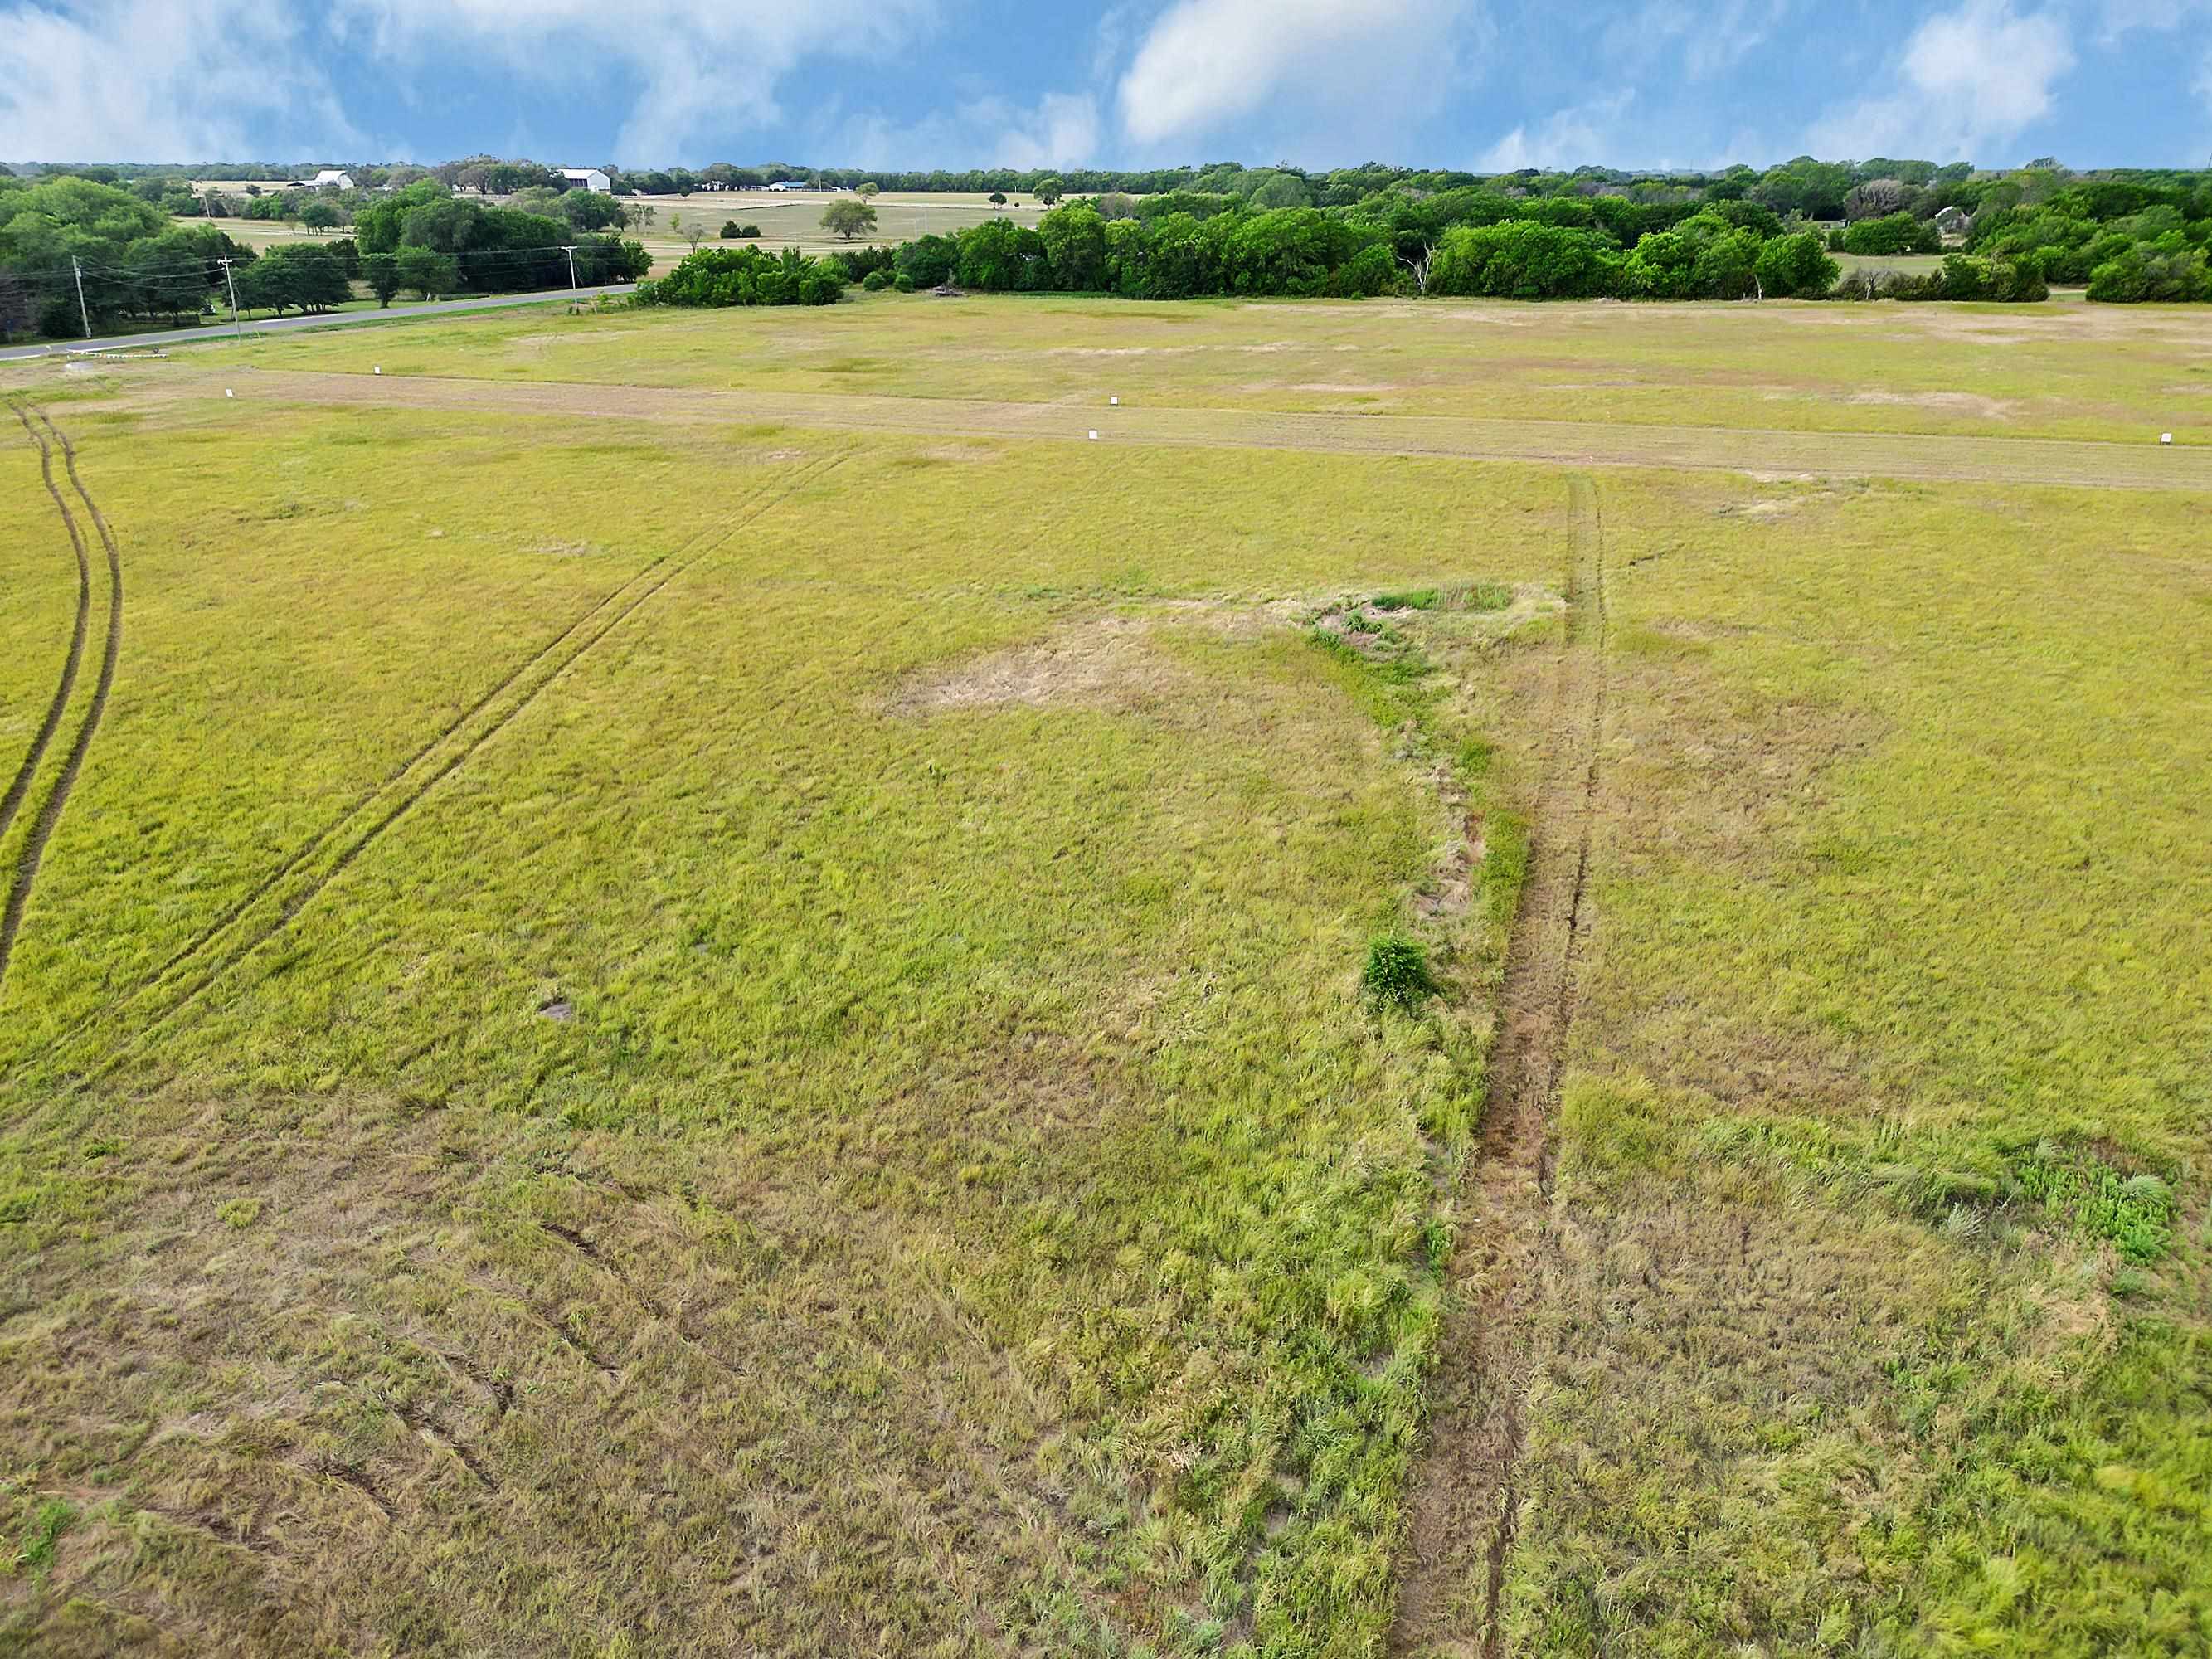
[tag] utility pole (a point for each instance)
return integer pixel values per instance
(80, 310)
(231, 282)
(569, 249)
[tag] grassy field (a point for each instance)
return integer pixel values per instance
(2119, 374)
(675, 1012)
(786, 218)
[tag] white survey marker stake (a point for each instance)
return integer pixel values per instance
(380, 368)
(227, 393)
(2165, 437)
(1094, 435)
(1115, 402)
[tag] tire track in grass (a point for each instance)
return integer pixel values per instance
(281, 897)
(50, 815)
(12, 803)
(1465, 1513)
(340, 825)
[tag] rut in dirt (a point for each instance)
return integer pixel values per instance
(13, 801)
(1467, 1485)
(58, 794)
(271, 905)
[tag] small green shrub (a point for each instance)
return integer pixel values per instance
(876, 282)
(1417, 599)
(1397, 973)
(46, 1524)
(1489, 596)
(2136, 1213)
(902, 283)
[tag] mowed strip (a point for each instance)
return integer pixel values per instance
(1928, 457)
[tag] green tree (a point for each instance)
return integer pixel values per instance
(297, 277)
(866, 189)
(1075, 242)
(320, 215)
(1050, 190)
(429, 272)
(382, 272)
(1281, 190)
(849, 218)
(1795, 266)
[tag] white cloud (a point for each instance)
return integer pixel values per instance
(1061, 130)
(1352, 71)
(162, 80)
(1712, 38)
(159, 79)
(1584, 134)
(1967, 79)
(708, 67)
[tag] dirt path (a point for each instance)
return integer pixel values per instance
(1465, 1507)
(271, 905)
(1559, 443)
(12, 803)
(50, 815)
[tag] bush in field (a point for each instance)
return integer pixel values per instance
(746, 276)
(1892, 234)
(296, 277)
(849, 218)
(1397, 973)
(1961, 276)
(1795, 267)
(902, 283)
(1520, 259)
(2151, 271)
(876, 282)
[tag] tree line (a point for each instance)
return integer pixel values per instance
(74, 249)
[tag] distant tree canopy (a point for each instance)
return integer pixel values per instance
(2126, 235)
(746, 276)
(849, 218)
(295, 276)
(1479, 244)
(492, 249)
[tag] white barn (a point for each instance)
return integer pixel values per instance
(332, 176)
(589, 179)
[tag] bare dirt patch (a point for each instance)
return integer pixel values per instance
(1465, 1509)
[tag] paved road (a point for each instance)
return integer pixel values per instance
(336, 319)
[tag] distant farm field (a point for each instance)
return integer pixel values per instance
(785, 219)
(1495, 979)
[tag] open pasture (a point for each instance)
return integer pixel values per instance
(793, 218)
(703, 987)
(2106, 375)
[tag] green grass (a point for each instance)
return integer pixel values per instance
(851, 1111)
(2117, 373)
(995, 1191)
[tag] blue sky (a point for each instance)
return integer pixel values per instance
(1461, 83)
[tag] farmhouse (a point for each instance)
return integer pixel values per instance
(589, 179)
(333, 176)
